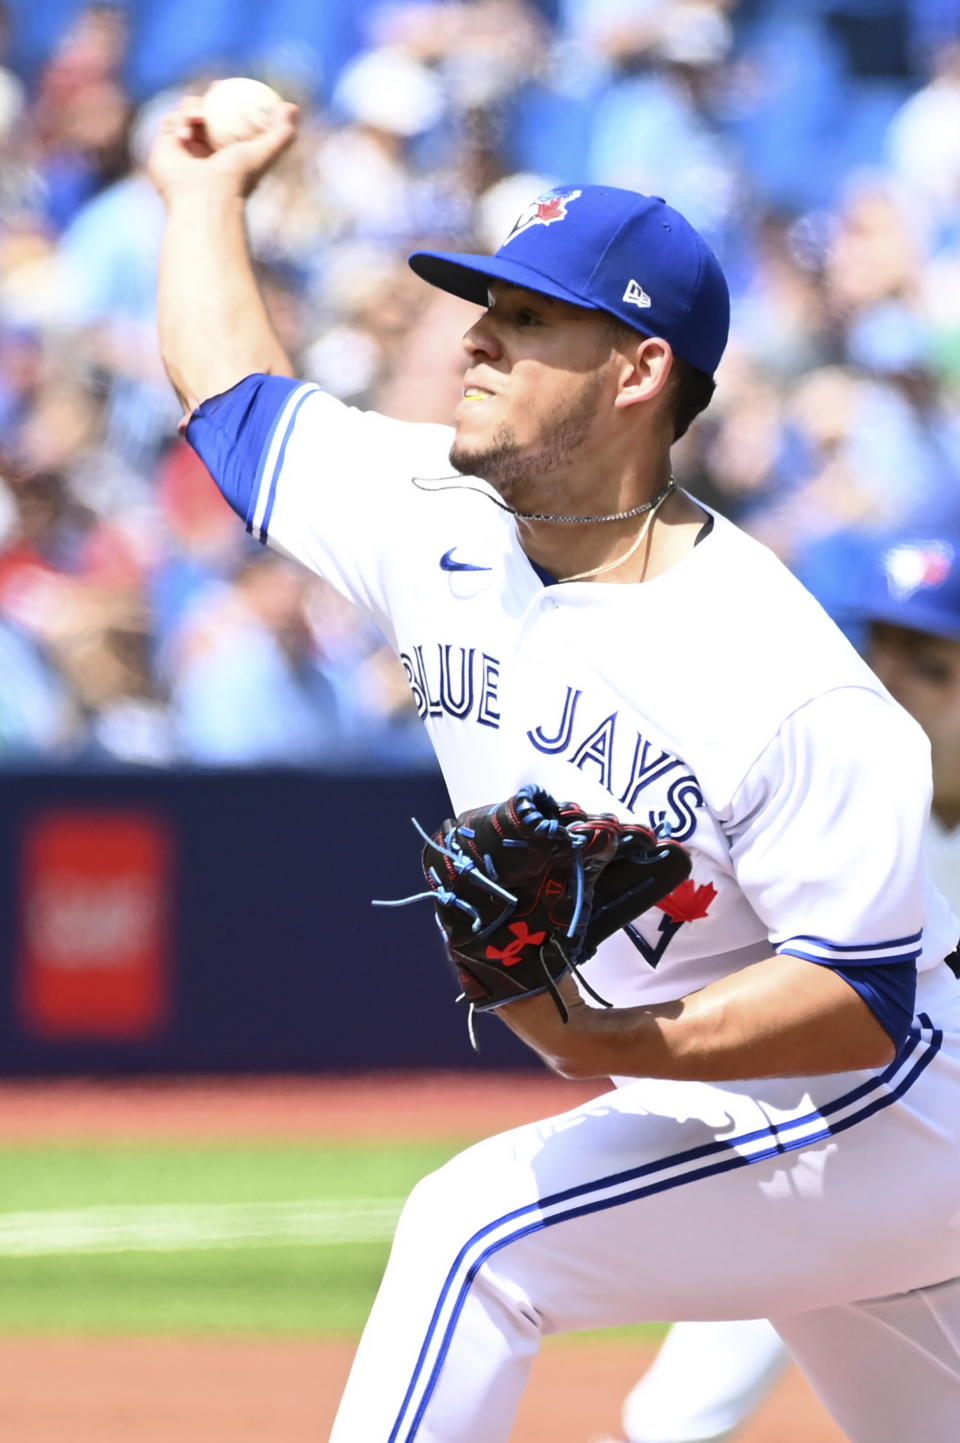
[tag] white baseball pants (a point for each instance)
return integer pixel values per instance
(705, 1382)
(790, 1199)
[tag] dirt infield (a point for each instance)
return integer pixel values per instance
(209, 1391)
(163, 1391)
(368, 1107)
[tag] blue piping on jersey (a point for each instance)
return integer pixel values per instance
(859, 946)
(231, 433)
(258, 482)
(726, 1164)
(268, 512)
(834, 961)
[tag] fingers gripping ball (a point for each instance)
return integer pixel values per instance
(238, 109)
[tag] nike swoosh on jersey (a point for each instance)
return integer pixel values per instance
(447, 563)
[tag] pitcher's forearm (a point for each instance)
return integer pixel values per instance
(784, 1017)
(214, 326)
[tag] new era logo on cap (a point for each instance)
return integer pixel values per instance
(635, 295)
(609, 236)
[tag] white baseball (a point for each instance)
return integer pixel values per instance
(237, 109)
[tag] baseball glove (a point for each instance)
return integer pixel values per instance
(527, 890)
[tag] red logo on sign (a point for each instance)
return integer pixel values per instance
(523, 938)
(94, 953)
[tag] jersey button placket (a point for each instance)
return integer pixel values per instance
(542, 660)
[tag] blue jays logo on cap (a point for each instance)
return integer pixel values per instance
(910, 566)
(605, 249)
(545, 210)
(904, 579)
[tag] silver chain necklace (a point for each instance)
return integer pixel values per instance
(545, 516)
(632, 550)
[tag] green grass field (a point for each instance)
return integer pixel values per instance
(288, 1240)
(198, 1239)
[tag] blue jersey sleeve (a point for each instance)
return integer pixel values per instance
(239, 432)
(889, 989)
(328, 484)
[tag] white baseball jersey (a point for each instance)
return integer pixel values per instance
(717, 702)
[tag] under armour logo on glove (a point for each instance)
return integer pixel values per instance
(523, 938)
(515, 886)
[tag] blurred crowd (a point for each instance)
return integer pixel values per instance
(815, 142)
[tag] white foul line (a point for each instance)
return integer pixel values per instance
(176, 1226)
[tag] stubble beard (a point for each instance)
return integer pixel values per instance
(535, 476)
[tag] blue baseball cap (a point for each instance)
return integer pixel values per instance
(605, 249)
(911, 581)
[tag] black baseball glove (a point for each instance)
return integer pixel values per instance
(527, 890)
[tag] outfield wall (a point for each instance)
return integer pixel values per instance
(221, 922)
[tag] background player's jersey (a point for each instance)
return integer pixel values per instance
(717, 701)
(943, 855)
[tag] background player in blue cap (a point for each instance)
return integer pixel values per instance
(785, 1034)
(911, 605)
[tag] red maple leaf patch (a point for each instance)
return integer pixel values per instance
(553, 209)
(688, 902)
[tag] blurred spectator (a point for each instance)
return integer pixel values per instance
(71, 587)
(245, 683)
(34, 712)
(816, 144)
(81, 112)
(923, 142)
(784, 317)
(377, 303)
(387, 98)
(656, 125)
(198, 540)
(15, 180)
(54, 544)
(107, 281)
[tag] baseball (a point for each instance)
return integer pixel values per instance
(238, 109)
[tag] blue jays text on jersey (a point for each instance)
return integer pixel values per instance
(463, 683)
